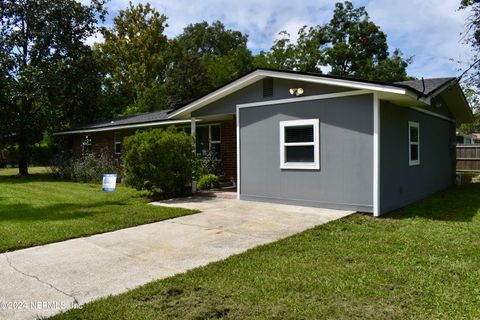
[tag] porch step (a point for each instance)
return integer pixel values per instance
(227, 193)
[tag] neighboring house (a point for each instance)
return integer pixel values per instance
(318, 140)
(477, 137)
(463, 138)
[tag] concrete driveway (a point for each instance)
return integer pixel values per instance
(45, 280)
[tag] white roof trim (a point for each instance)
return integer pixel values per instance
(306, 98)
(260, 74)
(127, 126)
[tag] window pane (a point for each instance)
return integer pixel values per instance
(299, 153)
(188, 130)
(202, 139)
(87, 144)
(215, 133)
(413, 134)
(299, 134)
(216, 149)
(414, 152)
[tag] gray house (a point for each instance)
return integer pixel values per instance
(325, 141)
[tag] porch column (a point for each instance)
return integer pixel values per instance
(193, 129)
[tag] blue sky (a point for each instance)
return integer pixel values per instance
(427, 30)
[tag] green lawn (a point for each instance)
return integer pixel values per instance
(38, 209)
(422, 262)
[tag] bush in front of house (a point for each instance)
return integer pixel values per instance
(87, 168)
(207, 163)
(209, 181)
(159, 161)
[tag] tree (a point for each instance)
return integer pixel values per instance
(349, 45)
(204, 57)
(134, 58)
(39, 41)
(472, 36)
(357, 44)
(306, 55)
(470, 77)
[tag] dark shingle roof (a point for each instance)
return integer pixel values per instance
(126, 120)
(430, 84)
(424, 87)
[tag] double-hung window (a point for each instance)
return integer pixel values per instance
(413, 143)
(299, 144)
(207, 138)
(117, 140)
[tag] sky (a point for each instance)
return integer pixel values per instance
(429, 31)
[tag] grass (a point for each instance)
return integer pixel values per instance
(422, 262)
(37, 209)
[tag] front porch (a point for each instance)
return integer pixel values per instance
(218, 134)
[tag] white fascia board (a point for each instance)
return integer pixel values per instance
(127, 126)
(334, 82)
(260, 74)
(218, 94)
(306, 98)
(415, 96)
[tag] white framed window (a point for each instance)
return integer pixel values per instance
(117, 141)
(207, 137)
(299, 144)
(413, 143)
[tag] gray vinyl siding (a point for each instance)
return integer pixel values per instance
(400, 183)
(345, 178)
(254, 93)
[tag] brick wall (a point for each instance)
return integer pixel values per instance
(104, 141)
(228, 149)
(101, 142)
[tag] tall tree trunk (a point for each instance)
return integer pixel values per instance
(22, 153)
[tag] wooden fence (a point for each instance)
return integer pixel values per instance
(468, 157)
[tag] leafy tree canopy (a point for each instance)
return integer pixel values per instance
(204, 57)
(41, 50)
(349, 45)
(134, 57)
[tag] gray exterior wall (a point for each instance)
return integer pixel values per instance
(400, 183)
(345, 178)
(254, 93)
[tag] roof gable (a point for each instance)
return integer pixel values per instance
(427, 86)
(258, 74)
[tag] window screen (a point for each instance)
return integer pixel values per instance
(299, 134)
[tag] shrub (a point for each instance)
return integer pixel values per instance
(61, 166)
(87, 168)
(159, 160)
(207, 163)
(209, 181)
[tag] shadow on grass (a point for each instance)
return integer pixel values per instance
(457, 203)
(54, 212)
(36, 177)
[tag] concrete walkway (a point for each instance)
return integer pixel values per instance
(45, 280)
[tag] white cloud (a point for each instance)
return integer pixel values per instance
(428, 30)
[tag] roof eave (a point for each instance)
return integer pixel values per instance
(259, 74)
(121, 127)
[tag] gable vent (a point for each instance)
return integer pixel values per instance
(268, 87)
